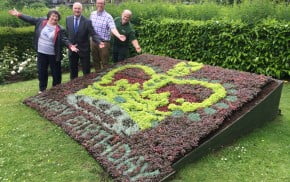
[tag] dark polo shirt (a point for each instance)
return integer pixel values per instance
(126, 30)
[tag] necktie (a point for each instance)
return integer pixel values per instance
(76, 25)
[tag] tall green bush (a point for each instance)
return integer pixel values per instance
(21, 67)
(19, 37)
(261, 48)
(12, 65)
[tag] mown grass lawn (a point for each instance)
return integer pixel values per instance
(33, 149)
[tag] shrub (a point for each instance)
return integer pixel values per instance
(8, 62)
(25, 3)
(282, 12)
(23, 67)
(18, 37)
(38, 5)
(261, 48)
(254, 11)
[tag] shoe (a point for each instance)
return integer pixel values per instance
(39, 92)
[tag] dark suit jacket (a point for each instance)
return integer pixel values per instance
(82, 36)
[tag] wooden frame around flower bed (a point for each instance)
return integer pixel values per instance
(142, 118)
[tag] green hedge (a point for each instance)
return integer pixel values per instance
(263, 48)
(20, 37)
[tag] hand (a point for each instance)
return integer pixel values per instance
(101, 45)
(138, 49)
(13, 12)
(122, 38)
(74, 48)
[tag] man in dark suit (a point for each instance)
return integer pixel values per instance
(79, 30)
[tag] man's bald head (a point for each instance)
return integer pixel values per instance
(127, 12)
(126, 16)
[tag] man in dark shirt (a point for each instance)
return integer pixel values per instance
(121, 48)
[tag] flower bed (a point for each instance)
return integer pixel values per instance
(146, 113)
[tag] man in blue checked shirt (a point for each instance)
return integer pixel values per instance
(104, 25)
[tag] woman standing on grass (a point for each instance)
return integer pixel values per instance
(49, 38)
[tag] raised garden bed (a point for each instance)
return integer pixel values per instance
(145, 117)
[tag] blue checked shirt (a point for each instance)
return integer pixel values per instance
(103, 23)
